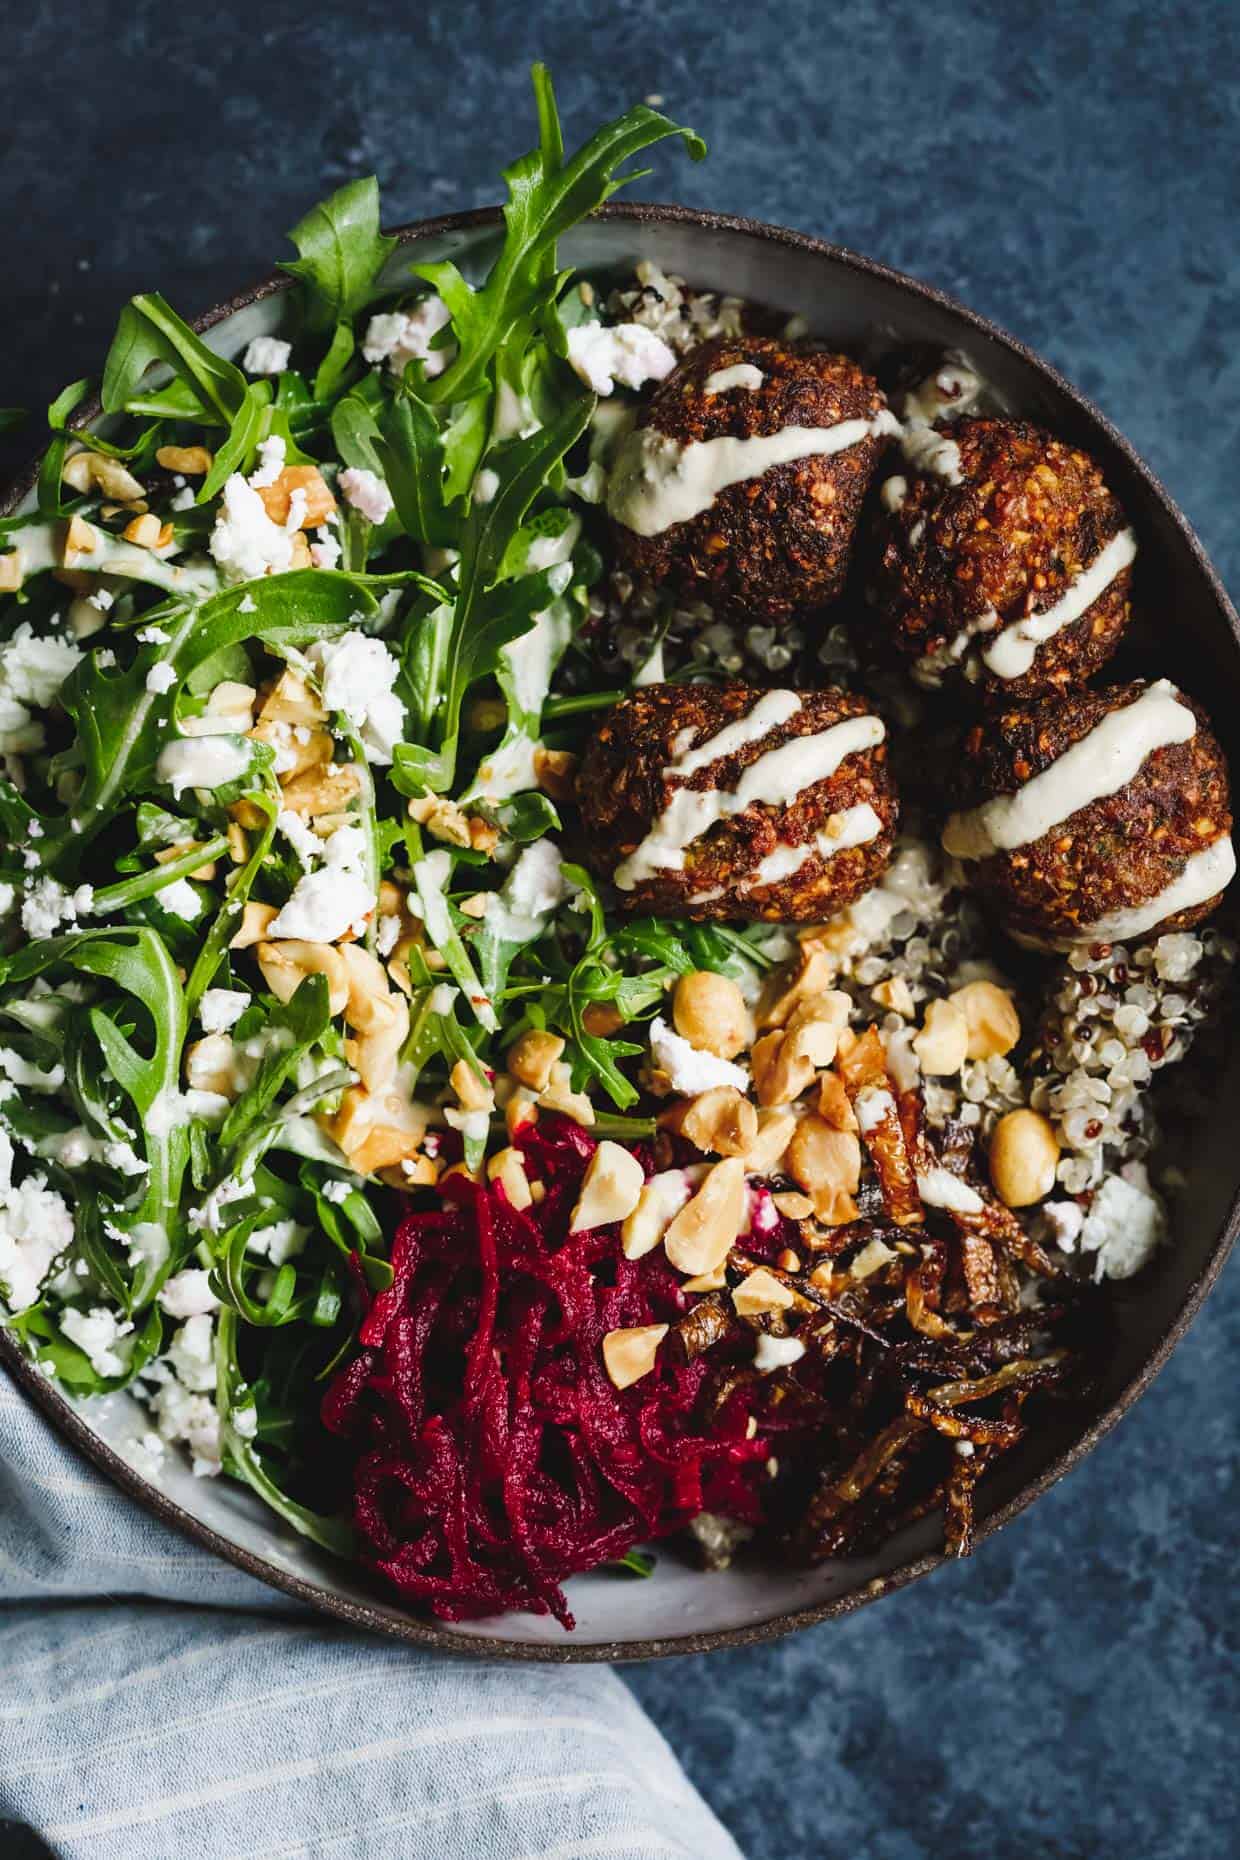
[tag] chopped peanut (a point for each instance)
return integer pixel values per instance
(794, 1206)
(815, 974)
(555, 771)
(1024, 1156)
(191, 461)
(286, 964)
(507, 1167)
(943, 1042)
(473, 1093)
(630, 1354)
(531, 1058)
(610, 1189)
(780, 1075)
(144, 531)
(87, 471)
(278, 496)
(10, 571)
(80, 539)
(759, 1292)
(709, 1011)
(991, 1017)
(722, 1121)
(253, 927)
(602, 1019)
(896, 995)
(662, 1197)
(701, 1235)
(834, 1105)
(766, 1152)
(827, 1165)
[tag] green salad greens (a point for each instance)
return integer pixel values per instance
(291, 659)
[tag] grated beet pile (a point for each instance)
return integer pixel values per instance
(495, 1458)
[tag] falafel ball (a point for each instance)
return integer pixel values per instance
(743, 480)
(1001, 558)
(728, 802)
(1096, 816)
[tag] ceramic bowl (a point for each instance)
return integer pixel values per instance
(853, 302)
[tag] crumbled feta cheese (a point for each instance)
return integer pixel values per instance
(222, 1008)
(191, 1354)
(193, 1419)
(400, 336)
(212, 1216)
(486, 484)
(272, 458)
(388, 934)
(207, 762)
(36, 1226)
(181, 900)
(356, 676)
(152, 635)
(245, 543)
(327, 903)
(95, 1332)
(366, 493)
(625, 353)
(282, 1240)
(47, 905)
(188, 1294)
(266, 355)
(325, 553)
(687, 1069)
(1063, 1221)
(337, 1191)
(304, 841)
(776, 1353)
(184, 499)
(1124, 1225)
(23, 1072)
(33, 670)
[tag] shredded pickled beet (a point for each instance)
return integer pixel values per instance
(495, 1457)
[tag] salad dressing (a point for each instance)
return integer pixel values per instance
(1203, 875)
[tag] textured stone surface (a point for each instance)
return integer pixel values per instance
(1069, 171)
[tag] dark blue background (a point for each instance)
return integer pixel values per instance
(1068, 169)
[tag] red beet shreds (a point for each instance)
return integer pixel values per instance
(495, 1458)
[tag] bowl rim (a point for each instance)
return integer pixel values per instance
(70, 1424)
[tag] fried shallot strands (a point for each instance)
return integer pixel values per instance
(863, 1067)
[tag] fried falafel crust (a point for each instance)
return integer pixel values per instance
(622, 789)
(1117, 852)
(781, 543)
(1030, 514)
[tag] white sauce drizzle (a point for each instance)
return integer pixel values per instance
(1102, 763)
(776, 778)
(658, 481)
(770, 711)
(1204, 874)
(854, 826)
(740, 375)
(1013, 652)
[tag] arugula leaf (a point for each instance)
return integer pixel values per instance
(151, 331)
(485, 617)
(341, 253)
(248, 426)
(121, 722)
(410, 454)
(545, 198)
(136, 961)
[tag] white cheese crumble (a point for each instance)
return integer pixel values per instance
(626, 354)
(329, 902)
(366, 492)
(181, 900)
(282, 1240)
(161, 678)
(356, 676)
(272, 458)
(688, 1069)
(776, 1353)
(47, 905)
(325, 553)
(221, 1008)
(193, 1419)
(400, 336)
(191, 1354)
(188, 1294)
(266, 355)
(95, 1333)
(1124, 1226)
(36, 1226)
(245, 543)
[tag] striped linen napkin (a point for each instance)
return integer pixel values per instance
(156, 1703)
